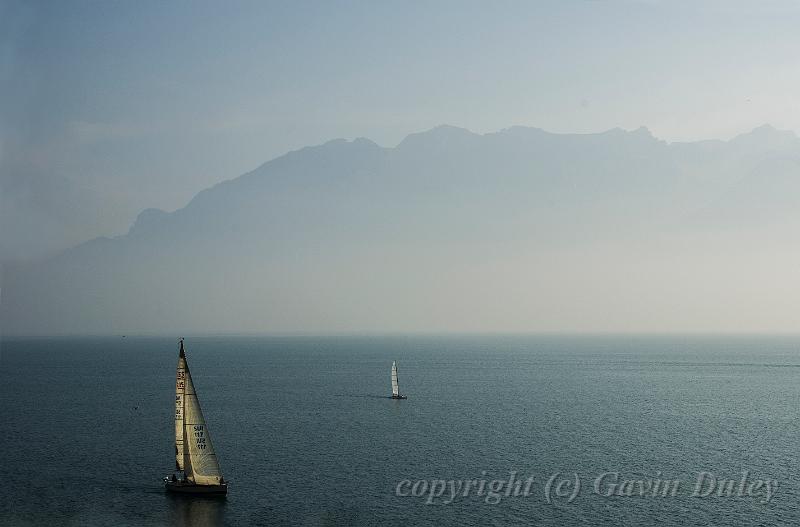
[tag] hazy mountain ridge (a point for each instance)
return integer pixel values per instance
(349, 235)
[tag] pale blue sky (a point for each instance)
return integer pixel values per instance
(111, 107)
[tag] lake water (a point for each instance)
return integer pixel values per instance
(306, 435)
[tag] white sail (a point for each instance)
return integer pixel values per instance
(198, 457)
(395, 388)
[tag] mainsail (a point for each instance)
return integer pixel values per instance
(180, 388)
(194, 452)
(395, 389)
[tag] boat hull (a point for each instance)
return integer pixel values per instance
(182, 487)
(399, 397)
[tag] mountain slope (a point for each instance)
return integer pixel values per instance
(519, 230)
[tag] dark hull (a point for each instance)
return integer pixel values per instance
(191, 488)
(399, 397)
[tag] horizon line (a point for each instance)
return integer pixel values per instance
(406, 334)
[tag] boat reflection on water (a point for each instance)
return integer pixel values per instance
(195, 511)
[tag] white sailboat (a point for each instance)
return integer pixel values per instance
(395, 385)
(196, 466)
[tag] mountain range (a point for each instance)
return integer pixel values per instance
(519, 230)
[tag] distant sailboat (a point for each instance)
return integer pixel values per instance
(395, 387)
(196, 465)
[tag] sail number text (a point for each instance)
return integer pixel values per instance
(199, 437)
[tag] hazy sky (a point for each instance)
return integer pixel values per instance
(110, 107)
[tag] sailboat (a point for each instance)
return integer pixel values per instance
(196, 466)
(395, 387)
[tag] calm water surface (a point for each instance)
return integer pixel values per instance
(306, 436)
